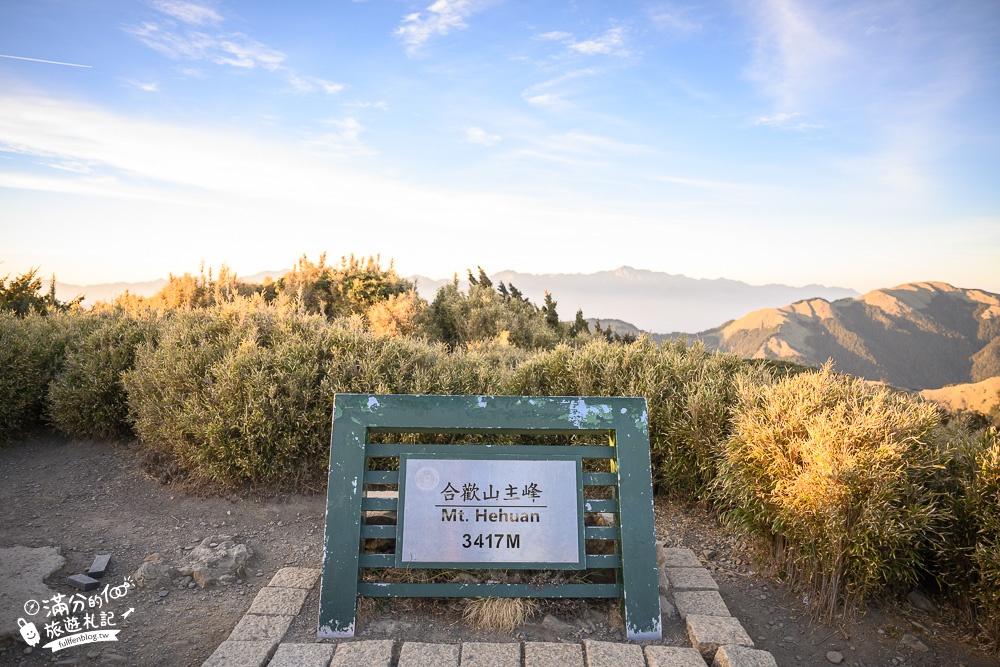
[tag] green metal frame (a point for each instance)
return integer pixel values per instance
(624, 420)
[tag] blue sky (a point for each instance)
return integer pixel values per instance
(844, 143)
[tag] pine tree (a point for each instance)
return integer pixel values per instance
(549, 308)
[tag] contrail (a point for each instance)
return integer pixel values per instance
(39, 60)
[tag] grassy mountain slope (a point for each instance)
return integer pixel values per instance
(982, 397)
(916, 335)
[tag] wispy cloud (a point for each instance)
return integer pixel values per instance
(312, 84)
(188, 12)
(440, 18)
(786, 121)
(145, 86)
(611, 42)
(552, 93)
(200, 38)
(671, 18)
(232, 49)
(343, 138)
(797, 52)
(477, 135)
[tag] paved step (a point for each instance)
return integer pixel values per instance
(717, 638)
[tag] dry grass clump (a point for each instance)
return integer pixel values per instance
(499, 614)
(830, 471)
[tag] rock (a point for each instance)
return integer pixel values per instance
(921, 602)
(910, 641)
(555, 626)
(218, 559)
(154, 573)
(24, 569)
(836, 657)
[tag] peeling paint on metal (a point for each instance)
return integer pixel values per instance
(372, 401)
(481, 402)
(327, 632)
(580, 413)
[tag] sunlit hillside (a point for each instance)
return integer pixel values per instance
(982, 397)
(917, 335)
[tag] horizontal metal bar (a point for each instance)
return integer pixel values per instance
(584, 451)
(600, 505)
(603, 560)
(377, 560)
(387, 590)
(594, 561)
(381, 477)
(597, 479)
(376, 504)
(378, 532)
(601, 532)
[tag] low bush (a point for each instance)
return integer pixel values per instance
(87, 398)
(965, 548)
(244, 393)
(832, 473)
(31, 350)
(689, 393)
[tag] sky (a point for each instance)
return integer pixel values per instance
(849, 143)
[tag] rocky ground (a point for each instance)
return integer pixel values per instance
(89, 498)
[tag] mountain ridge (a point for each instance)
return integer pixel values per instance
(916, 335)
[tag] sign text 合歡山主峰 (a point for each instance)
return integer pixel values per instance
(492, 512)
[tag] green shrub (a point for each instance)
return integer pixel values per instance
(87, 398)
(688, 392)
(987, 556)
(243, 393)
(965, 548)
(831, 472)
(30, 354)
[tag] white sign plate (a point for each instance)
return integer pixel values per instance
(490, 511)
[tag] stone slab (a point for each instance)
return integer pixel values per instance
(551, 654)
(667, 609)
(278, 601)
(662, 581)
(673, 656)
(255, 627)
(418, 654)
(370, 653)
(296, 577)
(100, 566)
(241, 654)
(491, 654)
(677, 557)
(740, 656)
(302, 655)
(708, 633)
(24, 570)
(690, 579)
(612, 654)
(83, 582)
(704, 603)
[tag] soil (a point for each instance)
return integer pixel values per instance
(90, 498)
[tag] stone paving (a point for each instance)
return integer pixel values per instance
(717, 639)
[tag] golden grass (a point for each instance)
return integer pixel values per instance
(499, 614)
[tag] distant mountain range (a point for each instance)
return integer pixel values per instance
(650, 300)
(914, 336)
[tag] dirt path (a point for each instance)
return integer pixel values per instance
(88, 498)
